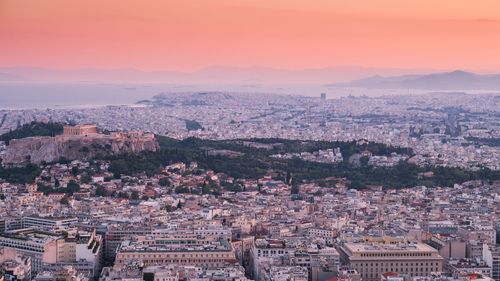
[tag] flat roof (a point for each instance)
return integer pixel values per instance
(51, 218)
(380, 247)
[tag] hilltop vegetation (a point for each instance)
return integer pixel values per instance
(257, 162)
(33, 129)
(254, 161)
(25, 174)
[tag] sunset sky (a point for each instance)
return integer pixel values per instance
(187, 35)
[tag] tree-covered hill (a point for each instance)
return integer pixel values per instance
(33, 129)
(254, 160)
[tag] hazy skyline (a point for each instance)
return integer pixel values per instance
(193, 34)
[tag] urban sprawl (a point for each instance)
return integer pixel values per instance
(167, 211)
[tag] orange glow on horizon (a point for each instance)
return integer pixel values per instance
(190, 34)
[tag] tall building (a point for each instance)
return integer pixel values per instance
(449, 247)
(48, 250)
(116, 234)
(491, 255)
(40, 246)
(371, 260)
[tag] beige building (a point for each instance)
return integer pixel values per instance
(371, 260)
(52, 251)
(320, 264)
(80, 130)
(14, 264)
(182, 249)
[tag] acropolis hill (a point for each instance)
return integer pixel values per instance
(80, 142)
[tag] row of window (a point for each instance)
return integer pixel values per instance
(365, 270)
(183, 261)
(272, 252)
(203, 262)
(397, 264)
(377, 276)
(397, 255)
(173, 255)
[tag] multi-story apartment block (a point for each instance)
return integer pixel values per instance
(53, 251)
(48, 223)
(181, 248)
(457, 268)
(327, 234)
(320, 263)
(491, 255)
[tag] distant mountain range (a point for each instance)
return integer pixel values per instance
(378, 78)
(213, 74)
(455, 80)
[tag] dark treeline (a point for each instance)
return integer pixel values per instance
(33, 129)
(25, 174)
(256, 162)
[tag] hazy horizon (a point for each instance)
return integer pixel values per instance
(214, 74)
(91, 52)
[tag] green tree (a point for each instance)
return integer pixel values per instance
(72, 187)
(295, 186)
(164, 182)
(181, 189)
(364, 161)
(21, 175)
(122, 194)
(45, 189)
(64, 201)
(33, 129)
(134, 195)
(86, 178)
(100, 191)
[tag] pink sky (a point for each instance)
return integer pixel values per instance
(187, 35)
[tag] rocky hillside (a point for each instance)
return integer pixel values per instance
(36, 150)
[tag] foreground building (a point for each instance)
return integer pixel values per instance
(491, 255)
(371, 260)
(182, 248)
(14, 266)
(268, 255)
(51, 251)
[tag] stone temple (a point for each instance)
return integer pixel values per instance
(80, 130)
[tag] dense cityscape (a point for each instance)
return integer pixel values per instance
(449, 129)
(249, 140)
(243, 188)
